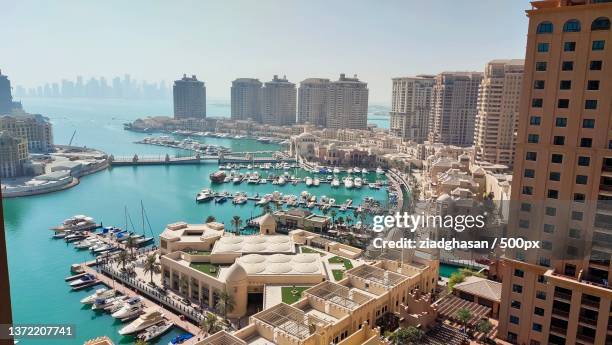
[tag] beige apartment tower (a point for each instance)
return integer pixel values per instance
(562, 184)
(410, 107)
(497, 117)
(312, 101)
(246, 96)
(347, 103)
(189, 98)
(279, 102)
(453, 112)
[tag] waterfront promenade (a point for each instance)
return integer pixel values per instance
(197, 159)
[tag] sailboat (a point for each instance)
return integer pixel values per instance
(144, 241)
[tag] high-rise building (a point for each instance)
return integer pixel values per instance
(410, 107)
(278, 102)
(246, 96)
(561, 189)
(347, 103)
(312, 101)
(453, 112)
(498, 106)
(189, 97)
(6, 98)
(13, 155)
(35, 129)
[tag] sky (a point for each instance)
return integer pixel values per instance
(46, 41)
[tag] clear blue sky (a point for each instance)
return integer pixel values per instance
(45, 41)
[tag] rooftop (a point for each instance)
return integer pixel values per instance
(377, 275)
(338, 294)
(263, 244)
(290, 320)
(481, 287)
(281, 264)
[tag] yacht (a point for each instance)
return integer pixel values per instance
(348, 182)
(364, 171)
(356, 170)
(86, 243)
(155, 331)
(205, 195)
(76, 223)
(331, 202)
(102, 303)
(84, 280)
(373, 186)
(282, 181)
(220, 199)
(253, 178)
(336, 170)
(131, 307)
(100, 293)
(358, 182)
(316, 182)
(329, 177)
(239, 200)
(335, 182)
(379, 171)
(144, 321)
(179, 339)
(237, 179)
(104, 248)
(286, 166)
(349, 171)
(308, 181)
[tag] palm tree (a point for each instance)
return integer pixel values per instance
(333, 215)
(279, 205)
(124, 258)
(407, 336)
(210, 324)
(210, 219)
(464, 315)
(267, 209)
(484, 326)
(130, 243)
(225, 304)
(152, 266)
(237, 223)
(140, 342)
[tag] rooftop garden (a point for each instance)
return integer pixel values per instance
(210, 269)
(292, 294)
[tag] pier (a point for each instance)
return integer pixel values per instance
(197, 159)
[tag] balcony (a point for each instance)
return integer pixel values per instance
(587, 320)
(590, 303)
(562, 295)
(559, 330)
(560, 312)
(585, 338)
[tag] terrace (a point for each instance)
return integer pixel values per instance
(337, 294)
(379, 276)
(291, 321)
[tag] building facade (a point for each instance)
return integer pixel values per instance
(560, 293)
(246, 97)
(498, 106)
(347, 103)
(312, 101)
(13, 155)
(278, 102)
(453, 112)
(6, 99)
(34, 128)
(189, 98)
(410, 107)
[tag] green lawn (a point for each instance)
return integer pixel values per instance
(289, 297)
(200, 252)
(210, 269)
(340, 260)
(311, 251)
(338, 274)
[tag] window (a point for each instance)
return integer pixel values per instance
(563, 103)
(531, 156)
(543, 47)
(567, 66)
(572, 25)
(574, 233)
(551, 211)
(533, 138)
(597, 45)
(541, 66)
(586, 142)
(527, 190)
(559, 140)
(519, 273)
(561, 122)
(556, 158)
(553, 194)
(523, 224)
(515, 304)
(601, 23)
(517, 288)
(535, 120)
(569, 46)
(584, 161)
(565, 84)
(544, 262)
(595, 65)
(514, 319)
(554, 176)
(536, 103)
(538, 84)
(549, 228)
(545, 28)
(579, 197)
(581, 179)
(593, 85)
(526, 207)
(529, 173)
(588, 123)
(541, 295)
(590, 104)
(538, 311)
(577, 215)
(537, 327)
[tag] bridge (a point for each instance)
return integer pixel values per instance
(196, 159)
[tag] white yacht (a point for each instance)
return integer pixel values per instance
(100, 293)
(335, 182)
(101, 303)
(316, 182)
(253, 178)
(308, 181)
(144, 321)
(131, 307)
(356, 170)
(237, 179)
(364, 171)
(380, 171)
(205, 195)
(336, 170)
(84, 280)
(348, 182)
(358, 182)
(86, 243)
(155, 331)
(349, 171)
(282, 181)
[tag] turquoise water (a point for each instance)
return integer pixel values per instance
(447, 270)
(38, 264)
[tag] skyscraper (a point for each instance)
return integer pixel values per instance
(410, 107)
(6, 98)
(347, 103)
(312, 101)
(278, 102)
(189, 98)
(498, 106)
(454, 99)
(560, 293)
(246, 96)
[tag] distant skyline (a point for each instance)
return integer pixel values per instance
(220, 41)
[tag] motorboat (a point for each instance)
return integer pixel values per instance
(237, 179)
(60, 235)
(336, 170)
(358, 182)
(253, 178)
(155, 331)
(84, 280)
(380, 171)
(118, 304)
(86, 243)
(316, 182)
(335, 183)
(77, 269)
(131, 307)
(239, 200)
(143, 241)
(100, 293)
(263, 181)
(349, 171)
(373, 186)
(356, 170)
(76, 223)
(101, 303)
(308, 181)
(205, 195)
(104, 248)
(331, 202)
(75, 236)
(179, 339)
(364, 171)
(220, 199)
(217, 177)
(329, 177)
(282, 181)
(144, 321)
(348, 182)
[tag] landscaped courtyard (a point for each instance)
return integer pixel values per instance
(292, 294)
(210, 269)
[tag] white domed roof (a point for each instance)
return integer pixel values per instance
(306, 268)
(235, 273)
(254, 240)
(305, 258)
(254, 268)
(279, 258)
(279, 239)
(252, 259)
(280, 268)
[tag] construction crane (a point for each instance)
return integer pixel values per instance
(71, 138)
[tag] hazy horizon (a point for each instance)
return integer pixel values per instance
(219, 42)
